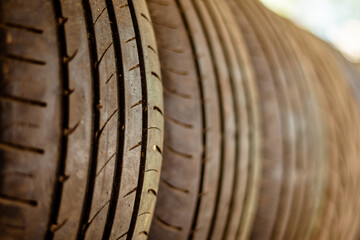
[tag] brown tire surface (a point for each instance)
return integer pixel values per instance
(271, 104)
(81, 119)
(211, 152)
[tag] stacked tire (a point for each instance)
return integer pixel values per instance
(81, 120)
(236, 123)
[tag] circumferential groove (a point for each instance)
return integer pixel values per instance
(144, 121)
(64, 59)
(203, 119)
(236, 116)
(90, 184)
(222, 121)
(121, 120)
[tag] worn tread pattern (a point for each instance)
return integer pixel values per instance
(272, 130)
(206, 103)
(91, 100)
(191, 112)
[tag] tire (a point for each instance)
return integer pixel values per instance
(81, 119)
(308, 131)
(274, 209)
(272, 128)
(211, 120)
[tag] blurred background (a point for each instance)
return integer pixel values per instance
(336, 21)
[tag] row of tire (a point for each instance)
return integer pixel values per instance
(173, 119)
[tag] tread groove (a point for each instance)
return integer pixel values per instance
(134, 67)
(172, 49)
(185, 125)
(135, 146)
(102, 55)
(154, 128)
(18, 99)
(64, 59)
(130, 39)
(107, 161)
(10, 200)
(144, 120)
(174, 92)
(152, 49)
(96, 214)
(145, 17)
(173, 187)
(90, 184)
(193, 228)
(56, 227)
(144, 213)
(159, 2)
(67, 58)
(169, 26)
(16, 173)
(14, 226)
(24, 59)
(106, 123)
(171, 149)
(15, 146)
(121, 120)
(23, 27)
(152, 191)
(136, 104)
(130, 192)
(108, 80)
(21, 124)
(101, 13)
(144, 232)
(156, 108)
(236, 116)
(122, 235)
(222, 128)
(124, 5)
(157, 148)
(220, 97)
(176, 71)
(70, 130)
(167, 225)
(156, 75)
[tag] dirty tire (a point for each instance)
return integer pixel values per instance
(209, 166)
(81, 119)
